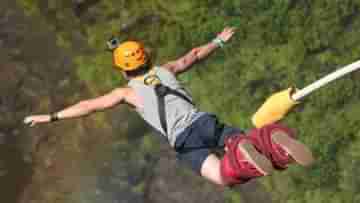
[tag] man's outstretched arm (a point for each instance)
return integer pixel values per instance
(82, 108)
(196, 54)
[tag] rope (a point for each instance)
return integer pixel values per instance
(325, 80)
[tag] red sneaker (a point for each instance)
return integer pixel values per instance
(292, 148)
(242, 161)
(250, 159)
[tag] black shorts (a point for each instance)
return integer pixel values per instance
(201, 139)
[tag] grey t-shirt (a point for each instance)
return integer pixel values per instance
(180, 114)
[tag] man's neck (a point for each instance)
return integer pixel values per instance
(142, 77)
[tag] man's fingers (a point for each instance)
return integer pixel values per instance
(227, 33)
(27, 120)
(32, 124)
(226, 30)
(229, 29)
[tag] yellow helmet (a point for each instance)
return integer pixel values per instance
(129, 56)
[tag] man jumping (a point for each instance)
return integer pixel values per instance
(161, 101)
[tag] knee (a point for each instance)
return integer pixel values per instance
(212, 169)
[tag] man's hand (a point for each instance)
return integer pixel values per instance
(35, 119)
(226, 34)
(184, 63)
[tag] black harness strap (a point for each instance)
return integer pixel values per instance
(161, 106)
(161, 91)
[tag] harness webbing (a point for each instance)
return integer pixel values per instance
(161, 91)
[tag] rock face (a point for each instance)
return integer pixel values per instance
(35, 78)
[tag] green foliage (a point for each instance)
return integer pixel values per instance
(232, 197)
(30, 6)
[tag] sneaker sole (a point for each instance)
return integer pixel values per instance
(260, 162)
(297, 150)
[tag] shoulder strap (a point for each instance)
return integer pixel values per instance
(161, 91)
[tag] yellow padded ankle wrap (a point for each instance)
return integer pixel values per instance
(274, 108)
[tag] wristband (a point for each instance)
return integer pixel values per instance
(54, 117)
(218, 41)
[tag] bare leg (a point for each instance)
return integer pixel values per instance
(211, 170)
(257, 165)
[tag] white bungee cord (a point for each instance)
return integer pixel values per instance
(325, 80)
